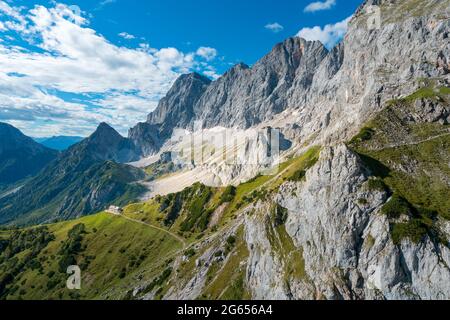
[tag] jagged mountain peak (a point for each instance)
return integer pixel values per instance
(242, 97)
(177, 107)
(239, 66)
(105, 129)
(193, 76)
(106, 144)
(292, 50)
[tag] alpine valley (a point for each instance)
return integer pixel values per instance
(354, 204)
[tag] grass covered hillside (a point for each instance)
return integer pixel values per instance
(112, 252)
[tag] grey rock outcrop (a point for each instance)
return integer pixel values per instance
(374, 65)
(427, 110)
(146, 137)
(107, 144)
(177, 108)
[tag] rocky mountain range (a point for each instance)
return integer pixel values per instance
(357, 207)
(335, 90)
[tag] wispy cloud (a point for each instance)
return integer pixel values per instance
(126, 36)
(102, 4)
(320, 5)
(106, 2)
(274, 27)
(69, 78)
(329, 35)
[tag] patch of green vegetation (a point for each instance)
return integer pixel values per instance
(237, 290)
(71, 247)
(415, 230)
(279, 215)
(421, 222)
(422, 93)
(283, 245)
(228, 194)
(262, 186)
(193, 204)
(190, 253)
(396, 207)
(370, 241)
(365, 134)
(158, 281)
(427, 92)
(422, 187)
(198, 214)
(299, 175)
(377, 184)
(244, 194)
(147, 212)
(230, 244)
(444, 90)
(297, 167)
(19, 254)
(228, 282)
(362, 201)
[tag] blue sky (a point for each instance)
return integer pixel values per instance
(66, 66)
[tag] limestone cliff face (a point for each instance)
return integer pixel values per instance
(177, 108)
(347, 246)
(375, 64)
(246, 96)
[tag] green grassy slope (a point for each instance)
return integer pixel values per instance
(112, 253)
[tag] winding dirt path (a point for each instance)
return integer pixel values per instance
(396, 145)
(180, 239)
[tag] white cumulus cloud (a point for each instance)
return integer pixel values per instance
(207, 53)
(320, 5)
(329, 35)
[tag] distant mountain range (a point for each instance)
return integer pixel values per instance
(60, 143)
(81, 180)
(20, 156)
